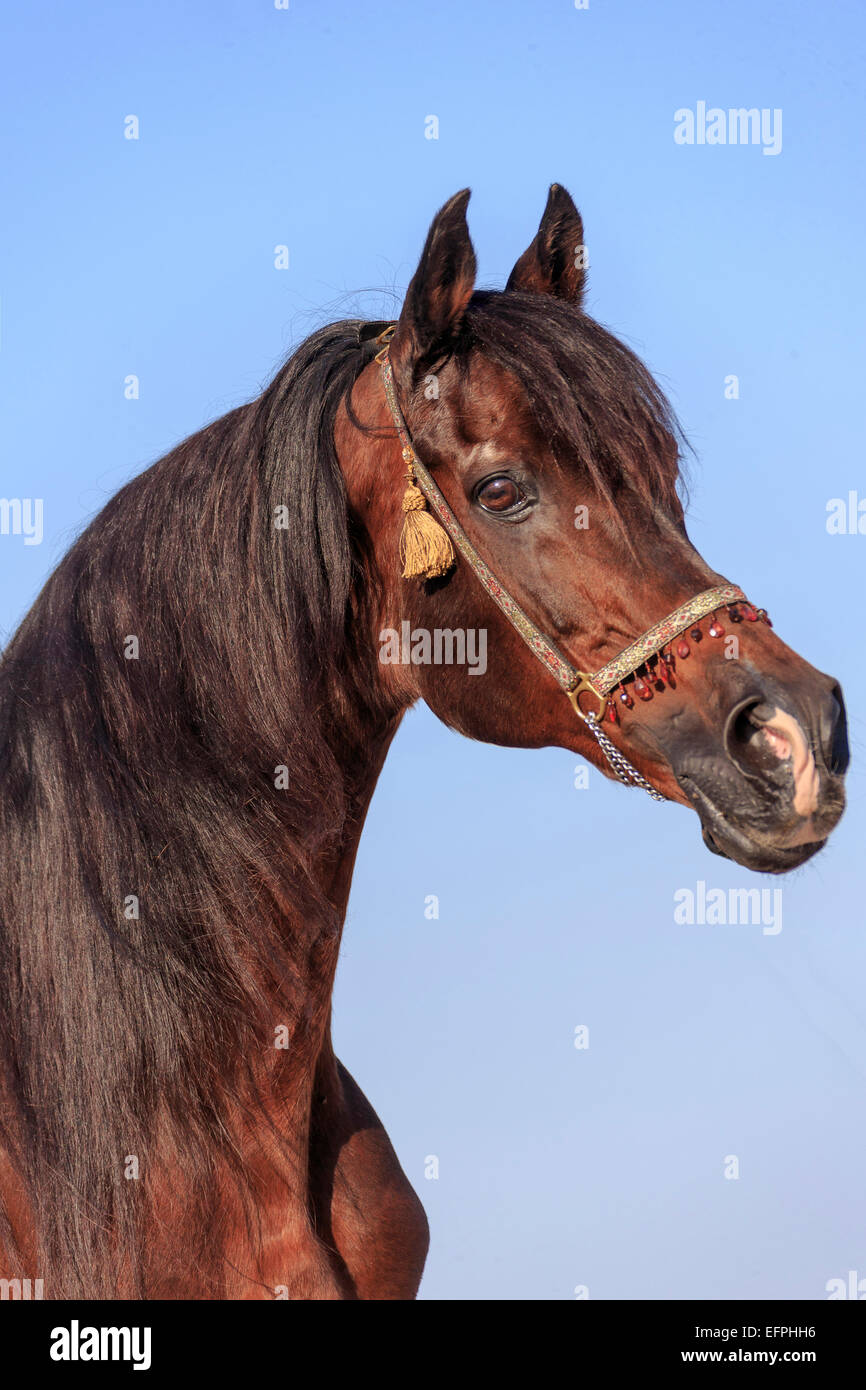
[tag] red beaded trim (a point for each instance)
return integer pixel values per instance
(652, 641)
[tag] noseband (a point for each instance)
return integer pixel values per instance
(650, 658)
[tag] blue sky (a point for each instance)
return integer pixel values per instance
(155, 257)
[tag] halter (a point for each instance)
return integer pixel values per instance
(638, 657)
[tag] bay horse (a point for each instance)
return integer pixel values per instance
(194, 714)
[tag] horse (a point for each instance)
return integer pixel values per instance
(195, 712)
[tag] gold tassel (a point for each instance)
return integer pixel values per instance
(426, 551)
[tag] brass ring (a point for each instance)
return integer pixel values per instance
(582, 683)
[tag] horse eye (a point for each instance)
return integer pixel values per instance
(499, 495)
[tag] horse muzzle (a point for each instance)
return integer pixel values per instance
(769, 793)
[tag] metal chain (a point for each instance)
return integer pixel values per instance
(620, 764)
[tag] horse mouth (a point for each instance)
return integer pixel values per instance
(753, 851)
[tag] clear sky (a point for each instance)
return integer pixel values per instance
(305, 127)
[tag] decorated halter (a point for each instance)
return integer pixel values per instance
(427, 551)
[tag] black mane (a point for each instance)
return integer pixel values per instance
(155, 778)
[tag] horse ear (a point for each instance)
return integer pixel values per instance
(554, 263)
(438, 293)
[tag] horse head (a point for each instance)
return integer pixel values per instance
(556, 462)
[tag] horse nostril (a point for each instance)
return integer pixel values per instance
(756, 739)
(744, 719)
(741, 727)
(758, 734)
(833, 732)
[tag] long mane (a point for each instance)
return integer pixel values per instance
(152, 778)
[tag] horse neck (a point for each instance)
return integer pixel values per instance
(314, 942)
(336, 868)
